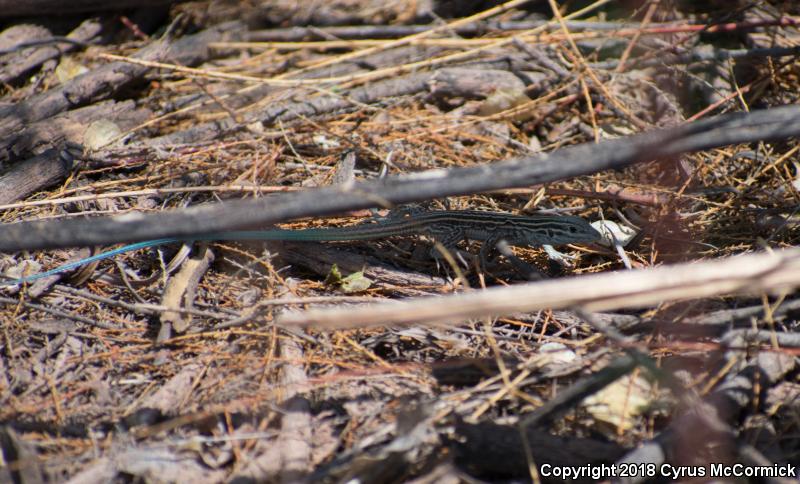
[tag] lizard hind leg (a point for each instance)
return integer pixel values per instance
(446, 248)
(488, 249)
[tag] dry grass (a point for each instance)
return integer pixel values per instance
(74, 382)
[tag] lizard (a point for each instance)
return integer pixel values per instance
(445, 226)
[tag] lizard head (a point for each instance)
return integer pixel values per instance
(573, 230)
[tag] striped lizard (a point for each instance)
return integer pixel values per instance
(445, 226)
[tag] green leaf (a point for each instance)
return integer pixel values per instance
(355, 282)
(334, 277)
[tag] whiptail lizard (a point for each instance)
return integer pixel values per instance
(446, 226)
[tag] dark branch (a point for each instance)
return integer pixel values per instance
(773, 124)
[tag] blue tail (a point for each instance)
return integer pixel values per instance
(88, 260)
(326, 234)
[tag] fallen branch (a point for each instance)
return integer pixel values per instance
(753, 273)
(588, 158)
